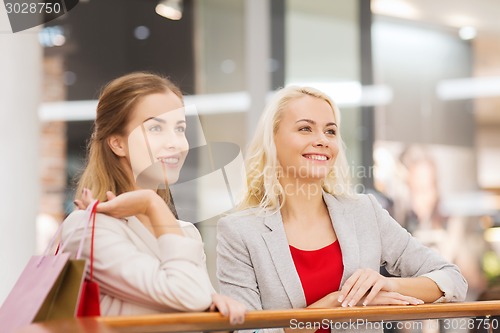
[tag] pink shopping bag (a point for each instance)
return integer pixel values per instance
(38, 278)
(48, 288)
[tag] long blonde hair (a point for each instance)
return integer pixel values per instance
(262, 167)
(103, 171)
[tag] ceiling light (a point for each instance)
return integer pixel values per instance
(395, 8)
(141, 32)
(171, 9)
(467, 33)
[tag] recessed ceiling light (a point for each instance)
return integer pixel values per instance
(467, 33)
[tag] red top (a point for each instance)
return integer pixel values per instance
(320, 271)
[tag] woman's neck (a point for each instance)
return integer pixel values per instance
(303, 200)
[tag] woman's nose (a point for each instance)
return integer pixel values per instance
(173, 140)
(321, 140)
(170, 140)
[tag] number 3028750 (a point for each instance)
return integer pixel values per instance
(33, 8)
(471, 323)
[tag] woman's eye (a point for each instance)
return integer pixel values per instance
(180, 129)
(305, 129)
(155, 129)
(330, 132)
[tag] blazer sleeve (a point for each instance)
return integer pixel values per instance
(403, 255)
(177, 279)
(235, 270)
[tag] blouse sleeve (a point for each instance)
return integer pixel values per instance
(403, 255)
(177, 279)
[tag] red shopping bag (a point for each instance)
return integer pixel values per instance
(90, 297)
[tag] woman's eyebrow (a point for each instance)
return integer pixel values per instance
(312, 122)
(163, 121)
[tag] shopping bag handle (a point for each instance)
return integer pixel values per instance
(92, 216)
(93, 211)
(86, 219)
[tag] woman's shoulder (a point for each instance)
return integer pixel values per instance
(351, 201)
(247, 221)
(79, 216)
(189, 229)
(244, 216)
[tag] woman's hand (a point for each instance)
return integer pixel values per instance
(146, 205)
(392, 298)
(86, 198)
(367, 283)
(126, 204)
(229, 307)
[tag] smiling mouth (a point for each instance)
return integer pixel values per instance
(316, 157)
(169, 160)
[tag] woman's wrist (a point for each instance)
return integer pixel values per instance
(335, 299)
(153, 203)
(393, 284)
(161, 218)
(329, 301)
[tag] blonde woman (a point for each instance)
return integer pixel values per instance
(302, 239)
(145, 260)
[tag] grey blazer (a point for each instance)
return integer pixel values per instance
(254, 264)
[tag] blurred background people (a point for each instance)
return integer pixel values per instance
(457, 238)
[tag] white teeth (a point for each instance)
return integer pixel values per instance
(170, 160)
(317, 157)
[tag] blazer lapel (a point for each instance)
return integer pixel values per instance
(278, 247)
(346, 234)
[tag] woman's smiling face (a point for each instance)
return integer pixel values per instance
(306, 141)
(157, 136)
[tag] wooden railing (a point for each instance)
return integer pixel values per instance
(205, 321)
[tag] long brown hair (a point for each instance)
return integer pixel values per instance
(103, 171)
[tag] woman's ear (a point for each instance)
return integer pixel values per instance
(117, 145)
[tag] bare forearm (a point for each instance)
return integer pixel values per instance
(327, 302)
(161, 218)
(420, 287)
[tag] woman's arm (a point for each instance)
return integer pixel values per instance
(149, 207)
(425, 275)
(234, 267)
(156, 215)
(420, 287)
(368, 287)
(174, 278)
(406, 257)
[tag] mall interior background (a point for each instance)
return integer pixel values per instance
(413, 78)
